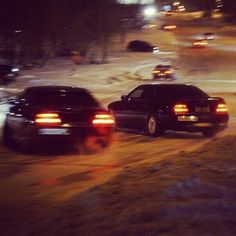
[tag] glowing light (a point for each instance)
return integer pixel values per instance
(150, 12)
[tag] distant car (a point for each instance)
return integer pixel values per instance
(142, 46)
(199, 43)
(44, 114)
(208, 36)
(8, 73)
(155, 108)
(168, 27)
(163, 72)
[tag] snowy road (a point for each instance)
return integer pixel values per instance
(48, 192)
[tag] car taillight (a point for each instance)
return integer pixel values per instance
(156, 71)
(180, 109)
(47, 118)
(168, 72)
(221, 108)
(103, 119)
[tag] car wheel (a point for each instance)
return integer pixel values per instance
(7, 136)
(153, 126)
(209, 133)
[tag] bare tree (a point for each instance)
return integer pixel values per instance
(38, 29)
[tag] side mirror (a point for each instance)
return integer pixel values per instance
(124, 98)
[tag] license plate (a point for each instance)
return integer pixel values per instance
(187, 118)
(202, 109)
(51, 131)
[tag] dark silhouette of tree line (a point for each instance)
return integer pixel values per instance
(35, 30)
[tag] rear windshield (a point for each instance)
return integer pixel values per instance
(180, 92)
(62, 98)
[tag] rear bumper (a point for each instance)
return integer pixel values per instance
(202, 122)
(198, 127)
(68, 134)
(162, 76)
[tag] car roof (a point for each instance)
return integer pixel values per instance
(165, 66)
(55, 88)
(167, 85)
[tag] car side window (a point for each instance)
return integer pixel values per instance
(142, 93)
(148, 93)
(137, 93)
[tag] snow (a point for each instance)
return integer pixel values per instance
(178, 184)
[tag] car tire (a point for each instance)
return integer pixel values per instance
(153, 126)
(209, 132)
(7, 136)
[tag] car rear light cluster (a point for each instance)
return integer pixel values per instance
(180, 109)
(200, 43)
(221, 108)
(47, 118)
(156, 71)
(166, 72)
(103, 119)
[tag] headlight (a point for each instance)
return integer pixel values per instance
(155, 50)
(14, 70)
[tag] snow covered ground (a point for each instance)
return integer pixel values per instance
(178, 184)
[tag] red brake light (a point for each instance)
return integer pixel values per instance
(156, 71)
(221, 108)
(47, 118)
(103, 119)
(180, 109)
(168, 72)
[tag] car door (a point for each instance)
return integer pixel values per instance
(123, 109)
(137, 107)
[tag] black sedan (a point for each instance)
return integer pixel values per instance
(45, 114)
(142, 46)
(154, 108)
(163, 72)
(8, 73)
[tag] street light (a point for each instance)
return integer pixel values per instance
(150, 12)
(176, 3)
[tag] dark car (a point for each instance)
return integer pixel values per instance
(163, 72)
(45, 114)
(8, 73)
(154, 108)
(209, 36)
(141, 46)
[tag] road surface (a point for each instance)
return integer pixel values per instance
(49, 179)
